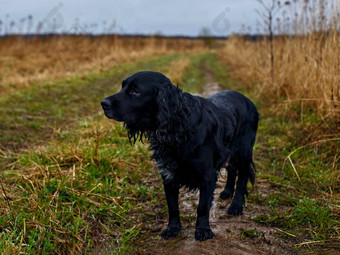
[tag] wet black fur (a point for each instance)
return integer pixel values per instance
(192, 138)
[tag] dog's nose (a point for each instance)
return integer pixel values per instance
(106, 104)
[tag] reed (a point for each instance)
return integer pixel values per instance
(306, 59)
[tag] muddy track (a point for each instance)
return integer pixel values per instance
(230, 231)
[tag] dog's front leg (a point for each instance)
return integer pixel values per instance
(174, 225)
(203, 231)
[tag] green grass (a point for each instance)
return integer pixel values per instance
(89, 190)
(304, 202)
(249, 233)
(204, 65)
(32, 115)
(76, 192)
(193, 78)
(309, 194)
(84, 189)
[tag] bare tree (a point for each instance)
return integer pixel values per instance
(268, 12)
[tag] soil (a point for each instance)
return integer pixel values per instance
(229, 237)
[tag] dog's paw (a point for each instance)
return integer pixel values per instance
(235, 209)
(203, 234)
(226, 194)
(170, 232)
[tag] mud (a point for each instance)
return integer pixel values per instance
(228, 230)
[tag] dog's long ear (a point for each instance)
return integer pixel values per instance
(172, 115)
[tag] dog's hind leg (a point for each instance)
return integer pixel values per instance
(174, 224)
(228, 191)
(246, 172)
(236, 207)
(245, 168)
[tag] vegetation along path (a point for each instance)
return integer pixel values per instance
(72, 183)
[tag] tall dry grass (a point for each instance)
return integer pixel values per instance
(306, 62)
(177, 69)
(23, 61)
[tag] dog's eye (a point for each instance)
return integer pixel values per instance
(135, 91)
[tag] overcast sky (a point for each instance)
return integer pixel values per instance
(174, 17)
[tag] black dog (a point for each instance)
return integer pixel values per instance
(191, 138)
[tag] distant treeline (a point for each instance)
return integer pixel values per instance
(246, 37)
(110, 35)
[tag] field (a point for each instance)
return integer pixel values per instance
(72, 183)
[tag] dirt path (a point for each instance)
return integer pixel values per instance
(230, 237)
(233, 234)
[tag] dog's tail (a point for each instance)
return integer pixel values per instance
(251, 174)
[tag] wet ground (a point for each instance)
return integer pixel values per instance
(233, 234)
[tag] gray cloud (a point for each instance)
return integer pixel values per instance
(136, 16)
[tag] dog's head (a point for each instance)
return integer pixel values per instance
(148, 101)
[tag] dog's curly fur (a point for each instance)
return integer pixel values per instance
(192, 138)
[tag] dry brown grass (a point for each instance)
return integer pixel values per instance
(177, 69)
(306, 71)
(24, 61)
